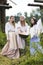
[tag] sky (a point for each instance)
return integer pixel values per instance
(20, 7)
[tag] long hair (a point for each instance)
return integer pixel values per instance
(23, 22)
(35, 21)
(13, 21)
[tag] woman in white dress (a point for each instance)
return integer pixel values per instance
(35, 40)
(23, 29)
(11, 48)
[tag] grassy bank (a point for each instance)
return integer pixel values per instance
(25, 59)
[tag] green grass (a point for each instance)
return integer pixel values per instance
(25, 59)
(4, 60)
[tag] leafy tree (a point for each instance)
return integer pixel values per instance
(26, 17)
(19, 14)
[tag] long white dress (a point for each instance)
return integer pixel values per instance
(11, 48)
(21, 41)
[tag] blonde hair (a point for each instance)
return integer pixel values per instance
(13, 21)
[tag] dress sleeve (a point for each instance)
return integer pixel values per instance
(28, 30)
(6, 30)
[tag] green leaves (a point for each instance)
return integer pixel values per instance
(26, 59)
(2, 39)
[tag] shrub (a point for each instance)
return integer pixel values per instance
(41, 39)
(26, 59)
(2, 39)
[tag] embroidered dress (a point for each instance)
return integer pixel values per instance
(10, 49)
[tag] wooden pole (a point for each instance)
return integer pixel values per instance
(3, 20)
(3, 7)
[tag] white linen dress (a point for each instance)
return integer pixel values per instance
(11, 48)
(20, 40)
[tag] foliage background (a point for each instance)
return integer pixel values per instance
(26, 58)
